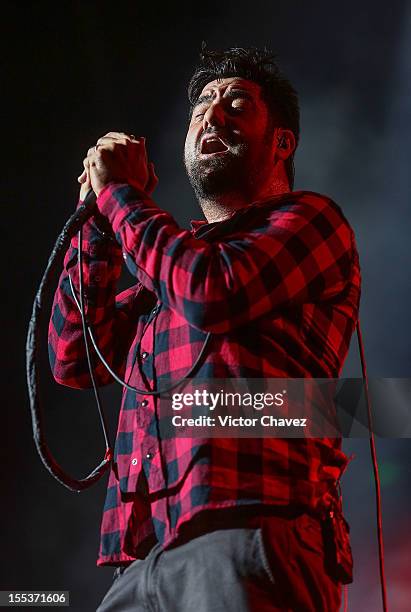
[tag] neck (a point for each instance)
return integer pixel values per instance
(222, 206)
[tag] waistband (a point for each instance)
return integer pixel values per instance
(241, 517)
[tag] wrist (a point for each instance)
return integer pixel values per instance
(102, 225)
(114, 184)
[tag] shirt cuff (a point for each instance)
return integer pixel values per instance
(95, 230)
(117, 200)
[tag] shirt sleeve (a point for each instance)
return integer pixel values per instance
(111, 316)
(301, 250)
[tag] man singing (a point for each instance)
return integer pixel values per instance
(219, 524)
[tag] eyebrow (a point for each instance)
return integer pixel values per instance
(231, 93)
(202, 99)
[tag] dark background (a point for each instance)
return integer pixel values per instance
(75, 70)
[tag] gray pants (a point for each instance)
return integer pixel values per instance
(276, 567)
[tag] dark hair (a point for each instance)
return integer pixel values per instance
(258, 65)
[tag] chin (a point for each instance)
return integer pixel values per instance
(215, 184)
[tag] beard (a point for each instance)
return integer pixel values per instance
(235, 171)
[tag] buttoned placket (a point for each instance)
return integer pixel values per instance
(145, 406)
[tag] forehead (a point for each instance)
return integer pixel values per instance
(221, 85)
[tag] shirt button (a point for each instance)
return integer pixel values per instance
(144, 403)
(97, 279)
(144, 354)
(149, 455)
(134, 461)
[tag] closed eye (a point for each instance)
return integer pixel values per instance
(236, 102)
(237, 106)
(240, 103)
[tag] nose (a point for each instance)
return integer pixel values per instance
(214, 115)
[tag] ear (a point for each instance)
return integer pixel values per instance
(284, 143)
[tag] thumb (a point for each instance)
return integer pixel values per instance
(85, 185)
(83, 177)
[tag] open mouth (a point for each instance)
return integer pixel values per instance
(213, 144)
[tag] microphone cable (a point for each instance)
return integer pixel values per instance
(33, 345)
(376, 473)
(74, 225)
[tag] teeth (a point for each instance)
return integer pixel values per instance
(213, 145)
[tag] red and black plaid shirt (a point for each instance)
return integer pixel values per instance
(277, 284)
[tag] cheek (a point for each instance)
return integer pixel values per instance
(189, 144)
(260, 131)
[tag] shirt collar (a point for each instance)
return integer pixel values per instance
(196, 224)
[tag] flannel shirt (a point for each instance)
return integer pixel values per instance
(278, 286)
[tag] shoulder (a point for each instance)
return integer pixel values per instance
(304, 201)
(299, 208)
(321, 202)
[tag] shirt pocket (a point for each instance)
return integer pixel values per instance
(308, 532)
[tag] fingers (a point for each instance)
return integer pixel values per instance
(117, 142)
(130, 149)
(84, 180)
(84, 176)
(121, 157)
(117, 135)
(120, 138)
(122, 144)
(87, 162)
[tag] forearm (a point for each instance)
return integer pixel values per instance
(282, 259)
(101, 268)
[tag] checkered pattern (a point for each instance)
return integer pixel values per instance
(277, 284)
